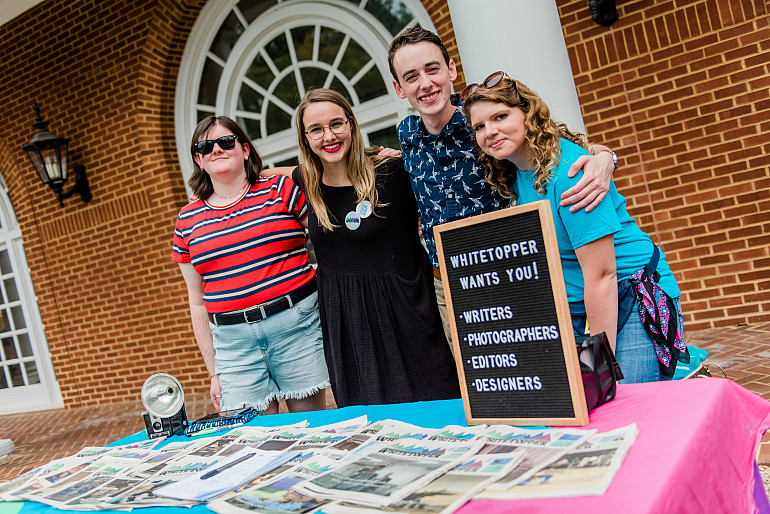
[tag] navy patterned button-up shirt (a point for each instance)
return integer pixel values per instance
(447, 180)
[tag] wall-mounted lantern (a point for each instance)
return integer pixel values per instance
(603, 12)
(48, 154)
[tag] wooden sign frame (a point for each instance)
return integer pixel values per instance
(527, 373)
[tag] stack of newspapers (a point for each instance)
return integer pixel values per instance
(347, 467)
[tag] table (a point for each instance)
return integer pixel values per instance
(694, 452)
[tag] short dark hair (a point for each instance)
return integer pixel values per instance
(200, 182)
(412, 36)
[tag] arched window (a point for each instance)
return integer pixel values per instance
(27, 381)
(253, 60)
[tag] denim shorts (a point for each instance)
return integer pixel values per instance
(279, 357)
(635, 351)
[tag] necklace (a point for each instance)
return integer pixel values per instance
(236, 194)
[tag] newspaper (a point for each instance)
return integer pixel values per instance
(127, 476)
(172, 463)
(36, 479)
(390, 430)
(94, 496)
(95, 475)
(241, 467)
(358, 439)
(458, 433)
(541, 446)
(585, 470)
(262, 479)
(142, 495)
(62, 469)
(329, 435)
(17, 483)
(351, 466)
(66, 491)
(393, 430)
(446, 493)
(329, 441)
(158, 459)
(246, 436)
(278, 494)
(381, 473)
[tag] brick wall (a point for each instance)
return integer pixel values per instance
(439, 15)
(681, 91)
(113, 305)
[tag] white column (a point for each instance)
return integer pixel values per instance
(524, 39)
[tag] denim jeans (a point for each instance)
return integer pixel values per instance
(281, 356)
(635, 352)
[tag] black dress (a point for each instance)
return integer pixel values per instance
(382, 331)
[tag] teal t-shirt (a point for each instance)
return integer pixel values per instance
(633, 248)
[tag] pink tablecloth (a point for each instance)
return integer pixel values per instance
(694, 452)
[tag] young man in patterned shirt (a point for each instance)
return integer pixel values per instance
(438, 147)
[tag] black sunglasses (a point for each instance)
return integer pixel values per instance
(488, 82)
(206, 146)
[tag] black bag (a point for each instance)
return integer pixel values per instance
(599, 369)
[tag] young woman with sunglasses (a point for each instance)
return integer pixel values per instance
(526, 157)
(252, 292)
(383, 338)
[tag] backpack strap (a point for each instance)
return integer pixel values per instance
(652, 266)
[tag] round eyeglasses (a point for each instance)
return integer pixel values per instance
(335, 127)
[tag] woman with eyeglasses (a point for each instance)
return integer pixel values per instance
(605, 256)
(383, 338)
(252, 292)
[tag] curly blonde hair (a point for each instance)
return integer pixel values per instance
(541, 138)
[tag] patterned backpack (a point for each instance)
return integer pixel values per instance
(659, 317)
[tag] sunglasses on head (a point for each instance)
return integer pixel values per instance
(488, 83)
(206, 146)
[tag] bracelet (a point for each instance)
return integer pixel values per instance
(614, 158)
(214, 375)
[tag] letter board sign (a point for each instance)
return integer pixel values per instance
(511, 327)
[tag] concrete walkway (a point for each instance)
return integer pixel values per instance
(743, 352)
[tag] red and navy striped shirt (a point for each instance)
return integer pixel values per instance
(250, 251)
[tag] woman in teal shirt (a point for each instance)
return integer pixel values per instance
(527, 157)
